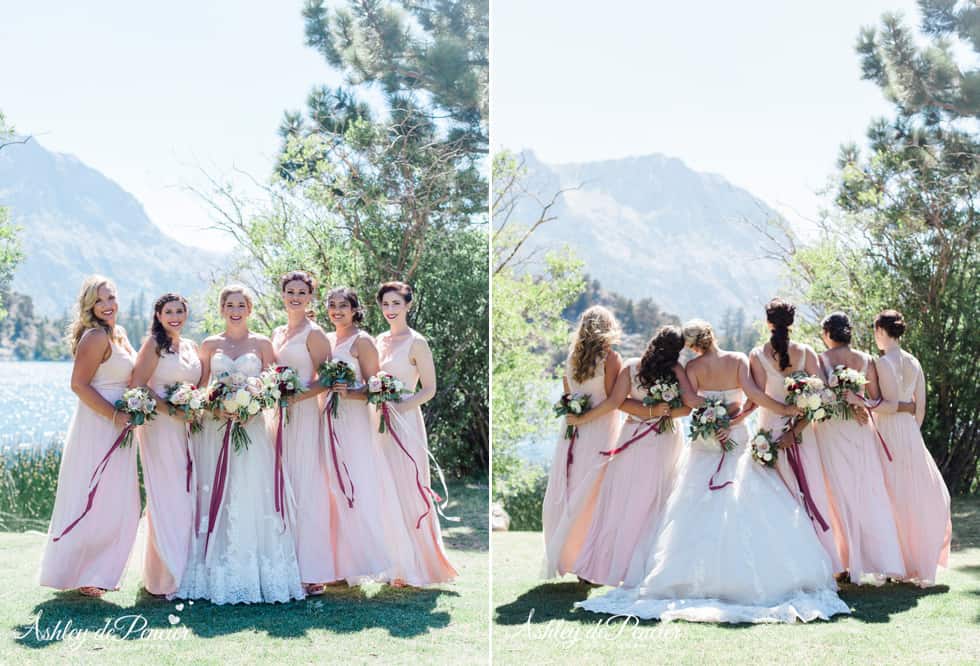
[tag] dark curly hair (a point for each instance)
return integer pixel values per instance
(350, 296)
(157, 330)
(838, 327)
(400, 288)
(660, 356)
(892, 322)
(298, 276)
(780, 314)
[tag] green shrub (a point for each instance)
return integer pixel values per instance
(522, 496)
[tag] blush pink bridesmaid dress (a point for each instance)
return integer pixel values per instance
(94, 552)
(168, 476)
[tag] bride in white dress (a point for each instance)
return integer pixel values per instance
(250, 555)
(733, 552)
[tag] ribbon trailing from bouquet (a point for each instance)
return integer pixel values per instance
(218, 487)
(96, 478)
(721, 461)
(190, 465)
(279, 480)
(334, 443)
(569, 457)
(796, 465)
(870, 405)
(637, 436)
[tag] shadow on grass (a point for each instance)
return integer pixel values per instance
(876, 605)
(402, 612)
(546, 602)
(471, 503)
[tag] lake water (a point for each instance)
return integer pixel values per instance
(36, 403)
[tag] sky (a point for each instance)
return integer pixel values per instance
(761, 92)
(150, 93)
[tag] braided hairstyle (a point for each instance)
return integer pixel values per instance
(157, 329)
(837, 325)
(780, 314)
(660, 356)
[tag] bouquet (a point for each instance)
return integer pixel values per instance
(140, 406)
(764, 448)
(335, 372)
(382, 389)
(186, 398)
(811, 395)
(572, 403)
(668, 392)
(844, 379)
(242, 396)
(709, 419)
(279, 383)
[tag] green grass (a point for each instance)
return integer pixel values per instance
(350, 625)
(889, 624)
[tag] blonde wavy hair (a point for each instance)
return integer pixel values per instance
(84, 314)
(699, 334)
(235, 289)
(597, 332)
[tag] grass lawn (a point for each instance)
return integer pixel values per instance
(349, 625)
(889, 624)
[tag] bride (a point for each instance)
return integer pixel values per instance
(733, 545)
(244, 552)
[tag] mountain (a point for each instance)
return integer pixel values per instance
(652, 227)
(75, 221)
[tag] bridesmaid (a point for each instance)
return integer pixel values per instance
(92, 531)
(592, 367)
(770, 365)
(405, 354)
(917, 490)
(166, 358)
(855, 479)
(359, 476)
(302, 345)
(639, 477)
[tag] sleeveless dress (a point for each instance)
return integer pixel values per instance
(421, 558)
(95, 551)
(251, 556)
(370, 527)
(573, 488)
(918, 493)
(304, 464)
(868, 537)
(635, 488)
(168, 476)
(809, 457)
(742, 553)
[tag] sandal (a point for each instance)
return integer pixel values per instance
(89, 591)
(315, 589)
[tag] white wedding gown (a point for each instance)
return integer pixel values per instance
(742, 553)
(251, 557)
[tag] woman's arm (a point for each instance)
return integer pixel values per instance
(758, 396)
(919, 392)
(612, 401)
(366, 355)
(318, 346)
(146, 365)
(421, 355)
(613, 364)
(88, 357)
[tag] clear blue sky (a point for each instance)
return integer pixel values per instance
(761, 92)
(148, 92)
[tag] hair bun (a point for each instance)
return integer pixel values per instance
(892, 322)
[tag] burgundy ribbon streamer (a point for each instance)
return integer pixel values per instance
(190, 465)
(711, 481)
(796, 464)
(334, 442)
(99, 469)
(423, 490)
(880, 438)
(569, 458)
(218, 486)
(635, 438)
(279, 481)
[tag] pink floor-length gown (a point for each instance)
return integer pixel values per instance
(573, 489)
(304, 463)
(918, 492)
(168, 476)
(634, 491)
(421, 559)
(868, 538)
(95, 552)
(369, 526)
(810, 461)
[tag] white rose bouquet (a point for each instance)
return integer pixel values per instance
(708, 420)
(668, 392)
(140, 406)
(842, 380)
(384, 388)
(243, 399)
(187, 398)
(764, 448)
(811, 395)
(572, 403)
(279, 383)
